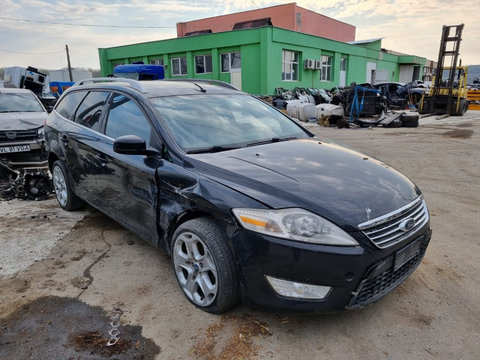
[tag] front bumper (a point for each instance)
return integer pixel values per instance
(357, 276)
(28, 160)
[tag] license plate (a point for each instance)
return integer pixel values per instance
(14, 149)
(407, 253)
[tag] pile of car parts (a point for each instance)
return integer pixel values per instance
(359, 105)
(32, 184)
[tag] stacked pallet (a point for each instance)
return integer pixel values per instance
(473, 97)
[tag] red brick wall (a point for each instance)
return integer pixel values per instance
(283, 16)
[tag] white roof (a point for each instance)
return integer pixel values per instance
(363, 41)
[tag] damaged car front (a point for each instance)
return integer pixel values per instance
(23, 166)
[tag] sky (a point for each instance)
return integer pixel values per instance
(35, 32)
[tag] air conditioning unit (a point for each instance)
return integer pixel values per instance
(309, 64)
(318, 64)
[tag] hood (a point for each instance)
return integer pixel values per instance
(22, 120)
(340, 184)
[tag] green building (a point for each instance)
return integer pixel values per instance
(261, 59)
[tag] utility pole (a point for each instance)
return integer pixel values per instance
(69, 66)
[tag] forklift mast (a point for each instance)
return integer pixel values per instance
(449, 50)
(447, 96)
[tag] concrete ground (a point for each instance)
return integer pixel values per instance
(62, 275)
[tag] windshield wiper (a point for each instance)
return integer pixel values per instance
(271, 140)
(212, 149)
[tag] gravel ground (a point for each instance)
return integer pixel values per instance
(62, 274)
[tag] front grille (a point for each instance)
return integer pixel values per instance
(18, 135)
(396, 226)
(375, 286)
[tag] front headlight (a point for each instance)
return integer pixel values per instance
(294, 224)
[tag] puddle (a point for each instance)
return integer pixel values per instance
(65, 328)
(459, 134)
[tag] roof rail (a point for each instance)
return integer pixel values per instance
(206, 81)
(135, 84)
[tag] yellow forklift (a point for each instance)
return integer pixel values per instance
(448, 94)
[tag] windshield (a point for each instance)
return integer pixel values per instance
(19, 102)
(222, 122)
(133, 75)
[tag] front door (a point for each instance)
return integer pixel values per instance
(343, 72)
(232, 63)
(128, 184)
(370, 75)
(236, 78)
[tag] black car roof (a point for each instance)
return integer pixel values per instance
(160, 88)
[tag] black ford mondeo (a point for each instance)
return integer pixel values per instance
(248, 203)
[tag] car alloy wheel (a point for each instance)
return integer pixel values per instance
(63, 191)
(60, 186)
(195, 269)
(204, 265)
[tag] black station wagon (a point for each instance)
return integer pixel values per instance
(248, 203)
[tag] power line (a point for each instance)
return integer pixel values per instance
(77, 52)
(87, 25)
(31, 53)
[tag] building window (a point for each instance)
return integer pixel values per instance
(179, 66)
(156, 61)
(231, 61)
(289, 65)
(326, 71)
(203, 64)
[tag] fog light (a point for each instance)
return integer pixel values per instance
(298, 290)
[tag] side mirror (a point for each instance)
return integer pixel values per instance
(130, 145)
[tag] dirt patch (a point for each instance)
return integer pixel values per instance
(232, 338)
(94, 342)
(65, 328)
(459, 134)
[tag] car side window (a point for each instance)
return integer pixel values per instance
(90, 110)
(67, 105)
(126, 118)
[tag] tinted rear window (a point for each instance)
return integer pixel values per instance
(67, 105)
(90, 111)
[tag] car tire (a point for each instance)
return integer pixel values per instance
(410, 124)
(204, 266)
(63, 191)
(463, 107)
(424, 108)
(409, 117)
(409, 120)
(395, 124)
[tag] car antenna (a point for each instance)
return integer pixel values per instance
(201, 89)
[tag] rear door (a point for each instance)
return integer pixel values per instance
(85, 142)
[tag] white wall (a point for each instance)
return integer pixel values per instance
(63, 75)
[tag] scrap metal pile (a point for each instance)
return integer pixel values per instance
(28, 184)
(361, 105)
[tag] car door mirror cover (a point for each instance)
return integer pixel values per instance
(130, 145)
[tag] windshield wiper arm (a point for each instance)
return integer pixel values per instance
(212, 149)
(271, 140)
